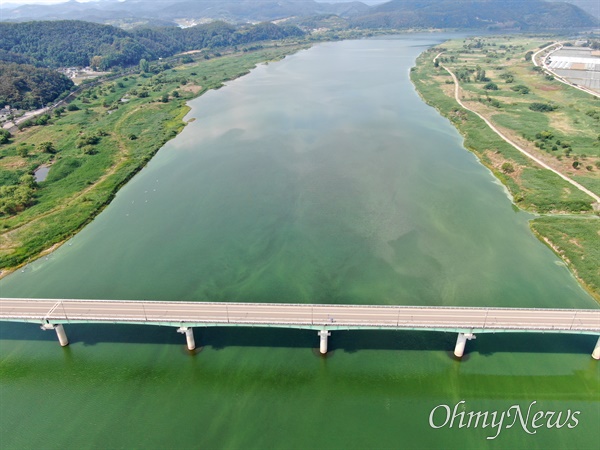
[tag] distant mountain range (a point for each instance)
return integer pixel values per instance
(591, 7)
(519, 14)
(490, 14)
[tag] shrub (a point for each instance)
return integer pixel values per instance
(4, 136)
(42, 120)
(508, 168)
(88, 139)
(542, 107)
(47, 147)
(521, 89)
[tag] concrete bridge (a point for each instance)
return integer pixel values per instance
(465, 321)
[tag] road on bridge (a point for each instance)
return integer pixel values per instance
(300, 315)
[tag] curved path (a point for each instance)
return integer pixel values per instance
(499, 133)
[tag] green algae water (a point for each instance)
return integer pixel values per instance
(322, 178)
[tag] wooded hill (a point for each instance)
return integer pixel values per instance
(24, 86)
(77, 43)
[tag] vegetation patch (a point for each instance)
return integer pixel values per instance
(575, 240)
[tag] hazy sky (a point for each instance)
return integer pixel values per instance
(30, 2)
(47, 2)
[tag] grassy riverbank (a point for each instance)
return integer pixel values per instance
(499, 81)
(106, 136)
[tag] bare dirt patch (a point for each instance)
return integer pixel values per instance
(546, 87)
(13, 162)
(193, 88)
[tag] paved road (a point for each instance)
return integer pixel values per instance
(300, 316)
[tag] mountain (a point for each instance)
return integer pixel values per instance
(170, 11)
(489, 14)
(513, 14)
(591, 7)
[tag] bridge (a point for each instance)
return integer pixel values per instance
(465, 321)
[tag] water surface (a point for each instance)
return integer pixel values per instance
(322, 178)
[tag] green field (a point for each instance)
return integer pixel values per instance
(96, 145)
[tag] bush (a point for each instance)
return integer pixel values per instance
(42, 120)
(89, 139)
(4, 136)
(521, 89)
(542, 107)
(47, 147)
(508, 168)
(491, 86)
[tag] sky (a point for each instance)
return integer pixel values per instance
(31, 2)
(9, 3)
(47, 2)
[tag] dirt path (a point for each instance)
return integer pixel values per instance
(526, 153)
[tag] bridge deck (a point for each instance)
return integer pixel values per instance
(340, 317)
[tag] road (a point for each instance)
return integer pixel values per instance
(300, 315)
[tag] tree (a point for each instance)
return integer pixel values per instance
(144, 66)
(96, 62)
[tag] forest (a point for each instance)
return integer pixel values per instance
(23, 86)
(75, 43)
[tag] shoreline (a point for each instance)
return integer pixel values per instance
(180, 113)
(419, 83)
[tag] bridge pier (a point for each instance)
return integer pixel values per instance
(324, 334)
(60, 333)
(596, 352)
(461, 341)
(189, 336)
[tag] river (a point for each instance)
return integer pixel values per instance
(322, 178)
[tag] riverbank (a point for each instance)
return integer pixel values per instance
(107, 135)
(498, 84)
